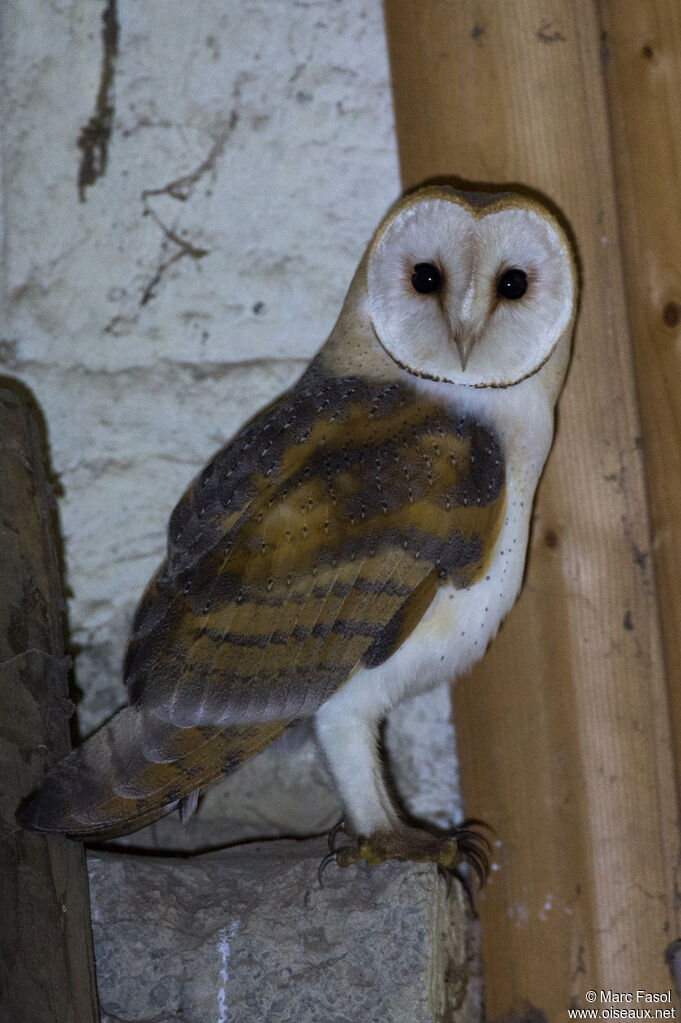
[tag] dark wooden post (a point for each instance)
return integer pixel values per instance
(46, 959)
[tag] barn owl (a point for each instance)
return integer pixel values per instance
(360, 540)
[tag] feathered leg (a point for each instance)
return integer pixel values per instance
(374, 828)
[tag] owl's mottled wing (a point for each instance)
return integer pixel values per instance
(312, 544)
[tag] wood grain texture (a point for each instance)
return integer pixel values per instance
(642, 51)
(46, 958)
(564, 732)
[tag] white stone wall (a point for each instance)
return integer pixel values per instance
(145, 359)
(251, 154)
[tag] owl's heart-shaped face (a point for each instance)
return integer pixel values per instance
(469, 293)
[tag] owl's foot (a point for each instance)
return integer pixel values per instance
(465, 844)
(337, 829)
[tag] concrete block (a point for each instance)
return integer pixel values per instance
(248, 936)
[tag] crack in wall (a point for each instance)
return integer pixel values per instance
(165, 262)
(191, 250)
(182, 248)
(181, 189)
(95, 135)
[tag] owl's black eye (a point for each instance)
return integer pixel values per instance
(512, 283)
(426, 278)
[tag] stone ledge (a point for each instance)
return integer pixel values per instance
(248, 935)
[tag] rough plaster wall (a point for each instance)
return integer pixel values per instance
(187, 189)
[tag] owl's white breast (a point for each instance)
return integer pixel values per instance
(460, 623)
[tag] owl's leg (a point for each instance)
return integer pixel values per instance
(373, 827)
(351, 750)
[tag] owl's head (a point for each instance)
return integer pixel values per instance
(469, 288)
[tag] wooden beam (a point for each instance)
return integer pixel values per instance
(641, 43)
(46, 958)
(563, 730)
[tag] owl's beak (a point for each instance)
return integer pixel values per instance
(464, 341)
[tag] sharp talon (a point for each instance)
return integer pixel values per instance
(475, 847)
(465, 882)
(470, 836)
(474, 823)
(323, 865)
(480, 866)
(338, 826)
(478, 860)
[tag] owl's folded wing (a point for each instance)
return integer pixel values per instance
(312, 545)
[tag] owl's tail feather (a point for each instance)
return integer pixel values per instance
(135, 769)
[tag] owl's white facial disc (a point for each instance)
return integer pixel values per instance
(500, 298)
